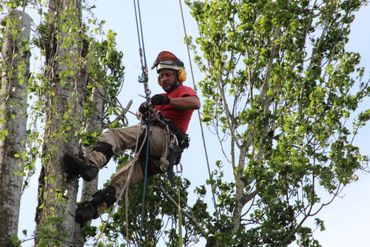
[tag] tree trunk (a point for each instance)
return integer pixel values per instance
(64, 104)
(95, 124)
(13, 120)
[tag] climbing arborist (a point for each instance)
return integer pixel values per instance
(171, 112)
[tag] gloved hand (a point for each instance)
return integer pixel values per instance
(160, 99)
(143, 108)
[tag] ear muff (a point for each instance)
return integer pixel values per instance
(181, 75)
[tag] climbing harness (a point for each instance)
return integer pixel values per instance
(177, 140)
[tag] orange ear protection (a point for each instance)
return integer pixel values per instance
(181, 75)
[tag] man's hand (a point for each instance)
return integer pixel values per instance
(143, 108)
(160, 99)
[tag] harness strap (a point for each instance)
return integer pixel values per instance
(171, 155)
(176, 141)
(174, 156)
(164, 163)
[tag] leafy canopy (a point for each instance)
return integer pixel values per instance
(283, 93)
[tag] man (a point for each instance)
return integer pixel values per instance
(174, 108)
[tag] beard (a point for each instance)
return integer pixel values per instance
(169, 89)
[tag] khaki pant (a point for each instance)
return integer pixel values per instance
(126, 138)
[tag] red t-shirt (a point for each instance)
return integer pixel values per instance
(180, 118)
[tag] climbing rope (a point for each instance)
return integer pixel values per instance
(185, 210)
(199, 116)
(143, 79)
(130, 166)
(180, 216)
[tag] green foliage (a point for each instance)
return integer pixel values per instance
(15, 70)
(161, 215)
(103, 63)
(279, 82)
(14, 241)
(106, 71)
(48, 234)
(12, 4)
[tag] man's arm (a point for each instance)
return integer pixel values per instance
(186, 103)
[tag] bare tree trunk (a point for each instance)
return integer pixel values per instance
(13, 120)
(95, 124)
(78, 239)
(64, 104)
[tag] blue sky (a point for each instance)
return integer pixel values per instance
(347, 220)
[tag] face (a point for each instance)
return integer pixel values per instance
(167, 77)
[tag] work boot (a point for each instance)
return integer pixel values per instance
(75, 166)
(89, 210)
(85, 211)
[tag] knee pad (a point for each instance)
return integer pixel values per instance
(104, 148)
(106, 195)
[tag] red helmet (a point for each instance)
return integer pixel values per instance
(167, 60)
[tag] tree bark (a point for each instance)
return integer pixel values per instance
(95, 124)
(65, 85)
(13, 120)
